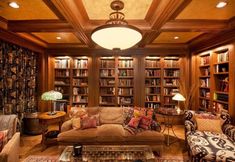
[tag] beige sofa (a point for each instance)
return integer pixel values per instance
(10, 152)
(110, 131)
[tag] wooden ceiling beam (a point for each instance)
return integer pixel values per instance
(54, 9)
(165, 11)
(39, 26)
(195, 25)
(3, 23)
(72, 14)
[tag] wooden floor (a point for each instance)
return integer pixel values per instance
(30, 145)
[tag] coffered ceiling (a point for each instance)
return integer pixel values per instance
(160, 21)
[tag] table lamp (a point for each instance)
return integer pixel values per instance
(51, 96)
(178, 97)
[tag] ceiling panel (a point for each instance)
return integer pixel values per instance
(51, 37)
(29, 10)
(101, 9)
(201, 9)
(168, 37)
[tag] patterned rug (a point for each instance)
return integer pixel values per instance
(44, 158)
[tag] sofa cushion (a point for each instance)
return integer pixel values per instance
(77, 136)
(145, 136)
(111, 115)
(110, 133)
(211, 146)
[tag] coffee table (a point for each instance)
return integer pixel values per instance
(124, 153)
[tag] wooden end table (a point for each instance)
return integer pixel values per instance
(169, 114)
(46, 120)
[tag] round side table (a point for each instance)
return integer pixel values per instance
(168, 115)
(50, 137)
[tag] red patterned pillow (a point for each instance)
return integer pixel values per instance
(89, 122)
(134, 122)
(3, 138)
(145, 122)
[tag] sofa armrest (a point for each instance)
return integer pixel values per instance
(10, 151)
(189, 126)
(229, 130)
(67, 125)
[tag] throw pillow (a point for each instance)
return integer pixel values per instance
(76, 123)
(127, 114)
(77, 112)
(3, 138)
(145, 122)
(206, 124)
(89, 122)
(134, 122)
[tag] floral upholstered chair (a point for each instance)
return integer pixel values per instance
(210, 137)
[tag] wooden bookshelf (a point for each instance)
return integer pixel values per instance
(204, 82)
(125, 81)
(62, 75)
(107, 82)
(80, 82)
(171, 78)
(153, 81)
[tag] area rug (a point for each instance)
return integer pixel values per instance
(171, 159)
(41, 158)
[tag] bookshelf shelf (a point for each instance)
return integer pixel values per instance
(204, 98)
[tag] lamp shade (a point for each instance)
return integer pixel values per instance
(178, 97)
(51, 95)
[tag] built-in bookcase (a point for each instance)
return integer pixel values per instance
(107, 81)
(171, 78)
(80, 82)
(204, 82)
(221, 79)
(152, 81)
(125, 81)
(62, 76)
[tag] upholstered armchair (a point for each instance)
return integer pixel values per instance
(215, 143)
(10, 151)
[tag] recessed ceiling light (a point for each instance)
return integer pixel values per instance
(176, 37)
(58, 38)
(221, 4)
(14, 5)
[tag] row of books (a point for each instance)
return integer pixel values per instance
(205, 82)
(219, 106)
(204, 60)
(171, 63)
(156, 73)
(153, 82)
(205, 93)
(125, 63)
(170, 82)
(171, 73)
(80, 72)
(107, 72)
(152, 90)
(61, 73)
(125, 72)
(126, 82)
(125, 91)
(107, 82)
(80, 98)
(80, 90)
(125, 100)
(205, 71)
(107, 64)
(170, 91)
(152, 105)
(152, 63)
(61, 89)
(223, 57)
(107, 90)
(221, 97)
(153, 98)
(107, 100)
(80, 63)
(61, 82)
(168, 100)
(221, 68)
(62, 63)
(205, 104)
(80, 82)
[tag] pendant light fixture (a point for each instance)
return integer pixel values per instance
(116, 33)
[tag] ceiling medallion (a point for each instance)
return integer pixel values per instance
(116, 33)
